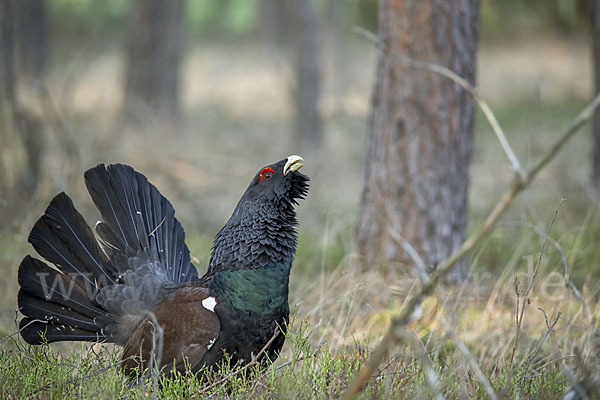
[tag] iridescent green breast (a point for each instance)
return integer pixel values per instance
(263, 291)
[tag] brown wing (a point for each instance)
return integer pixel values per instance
(188, 331)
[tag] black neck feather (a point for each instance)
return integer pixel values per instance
(256, 236)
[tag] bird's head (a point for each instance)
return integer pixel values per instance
(278, 184)
(261, 230)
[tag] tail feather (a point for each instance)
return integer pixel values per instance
(117, 204)
(138, 219)
(59, 306)
(113, 245)
(61, 301)
(39, 280)
(34, 331)
(35, 308)
(63, 237)
(101, 293)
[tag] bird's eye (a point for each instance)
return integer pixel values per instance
(266, 173)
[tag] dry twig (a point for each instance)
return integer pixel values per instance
(537, 349)
(245, 367)
(75, 381)
(422, 270)
(453, 76)
(313, 355)
(527, 299)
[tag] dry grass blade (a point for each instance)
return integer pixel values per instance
(421, 268)
(487, 386)
(534, 354)
(75, 381)
(313, 355)
(527, 298)
(245, 367)
(391, 337)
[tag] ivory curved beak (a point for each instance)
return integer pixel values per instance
(294, 163)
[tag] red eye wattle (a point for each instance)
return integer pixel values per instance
(266, 173)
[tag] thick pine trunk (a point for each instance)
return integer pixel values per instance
(153, 58)
(421, 134)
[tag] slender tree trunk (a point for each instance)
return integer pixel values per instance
(9, 140)
(421, 134)
(333, 53)
(595, 5)
(273, 18)
(308, 123)
(7, 74)
(153, 58)
(31, 39)
(20, 132)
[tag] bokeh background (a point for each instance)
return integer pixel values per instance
(238, 82)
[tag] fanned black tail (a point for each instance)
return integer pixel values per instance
(138, 221)
(59, 303)
(101, 294)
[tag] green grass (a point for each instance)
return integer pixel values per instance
(341, 310)
(304, 372)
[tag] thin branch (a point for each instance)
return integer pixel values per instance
(537, 350)
(594, 195)
(158, 226)
(74, 381)
(527, 298)
(421, 267)
(430, 375)
(245, 367)
(487, 386)
(444, 267)
(20, 329)
(313, 355)
(154, 368)
(540, 232)
(453, 76)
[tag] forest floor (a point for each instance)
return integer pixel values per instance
(236, 119)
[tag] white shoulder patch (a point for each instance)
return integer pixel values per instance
(209, 303)
(210, 344)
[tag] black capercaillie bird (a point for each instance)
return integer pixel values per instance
(136, 284)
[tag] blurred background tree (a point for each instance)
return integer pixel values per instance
(595, 20)
(258, 76)
(273, 21)
(31, 36)
(420, 135)
(308, 124)
(20, 131)
(153, 58)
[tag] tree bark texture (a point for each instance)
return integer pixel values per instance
(153, 58)
(421, 134)
(308, 122)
